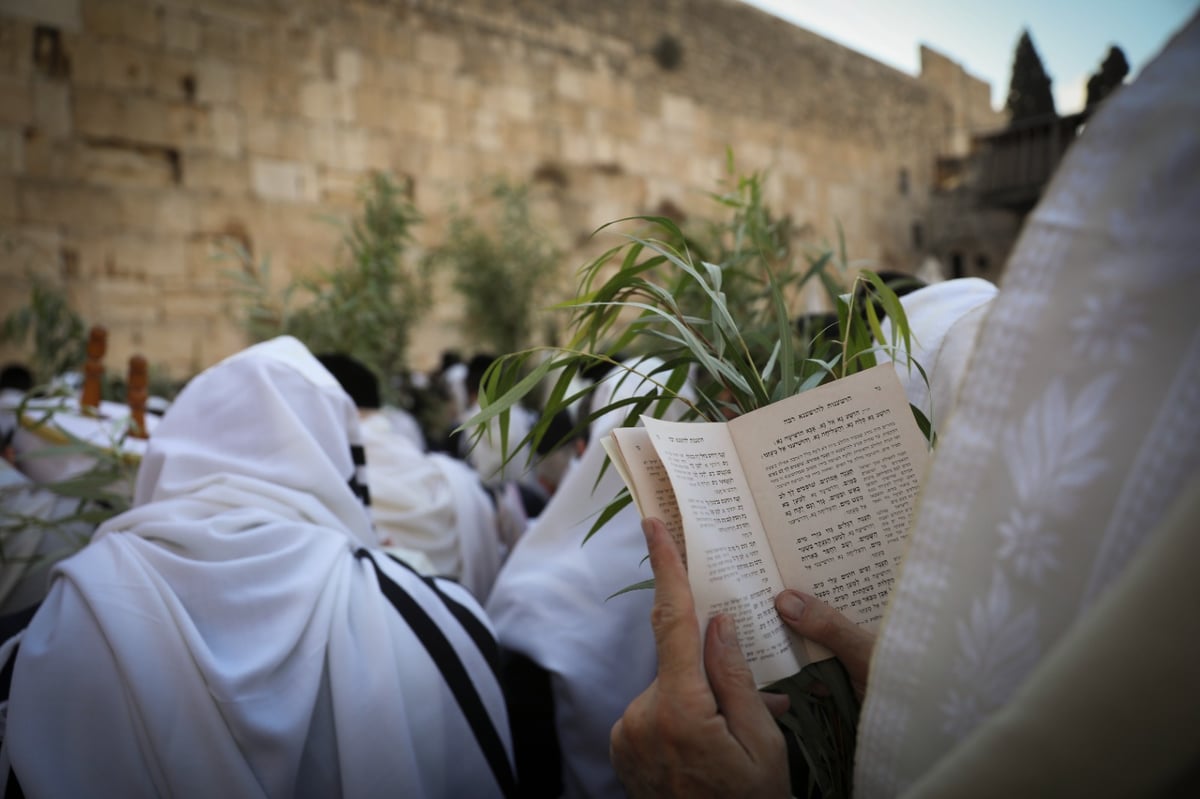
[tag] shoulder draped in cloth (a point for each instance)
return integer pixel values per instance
(1042, 638)
(238, 633)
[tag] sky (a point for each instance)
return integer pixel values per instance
(1071, 36)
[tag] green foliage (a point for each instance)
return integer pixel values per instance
(1029, 94)
(502, 267)
(365, 307)
(727, 325)
(100, 491)
(57, 333)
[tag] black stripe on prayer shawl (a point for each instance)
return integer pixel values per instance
(455, 674)
(480, 634)
(358, 454)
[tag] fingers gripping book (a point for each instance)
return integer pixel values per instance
(814, 492)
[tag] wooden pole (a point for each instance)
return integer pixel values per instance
(93, 369)
(136, 396)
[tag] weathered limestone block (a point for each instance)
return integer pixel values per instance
(16, 102)
(8, 201)
(347, 67)
(51, 107)
(168, 211)
(59, 13)
(326, 100)
(122, 300)
(220, 175)
(216, 81)
(179, 30)
(110, 115)
(12, 150)
(290, 181)
(122, 19)
(287, 138)
(225, 128)
(436, 50)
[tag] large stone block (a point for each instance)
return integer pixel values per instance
(16, 47)
(286, 138)
(52, 107)
(289, 181)
(129, 257)
(8, 200)
(111, 115)
(216, 174)
(179, 31)
(169, 211)
(122, 300)
(216, 81)
(16, 101)
(58, 13)
(273, 92)
(437, 50)
(325, 100)
(41, 202)
(122, 19)
(12, 150)
(191, 304)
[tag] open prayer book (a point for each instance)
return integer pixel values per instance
(814, 492)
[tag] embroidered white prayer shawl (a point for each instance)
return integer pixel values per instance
(229, 636)
(1076, 431)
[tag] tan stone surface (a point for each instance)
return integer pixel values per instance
(183, 124)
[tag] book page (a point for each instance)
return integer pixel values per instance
(635, 459)
(835, 474)
(730, 567)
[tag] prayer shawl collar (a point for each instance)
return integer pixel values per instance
(230, 635)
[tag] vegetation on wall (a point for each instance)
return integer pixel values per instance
(366, 306)
(49, 329)
(502, 265)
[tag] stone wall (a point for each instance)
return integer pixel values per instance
(137, 135)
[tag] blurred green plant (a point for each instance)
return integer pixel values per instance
(502, 266)
(719, 309)
(50, 325)
(41, 523)
(366, 306)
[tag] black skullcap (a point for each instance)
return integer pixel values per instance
(356, 379)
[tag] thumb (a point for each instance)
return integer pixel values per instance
(815, 620)
(738, 700)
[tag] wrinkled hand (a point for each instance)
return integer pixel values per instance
(817, 621)
(688, 735)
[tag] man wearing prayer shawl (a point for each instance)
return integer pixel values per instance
(551, 603)
(426, 504)
(237, 633)
(1042, 638)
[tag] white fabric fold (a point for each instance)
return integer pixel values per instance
(222, 639)
(551, 601)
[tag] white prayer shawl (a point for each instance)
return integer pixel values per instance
(222, 638)
(433, 504)
(1075, 435)
(944, 319)
(551, 603)
(495, 454)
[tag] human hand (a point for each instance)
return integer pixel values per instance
(688, 735)
(815, 620)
